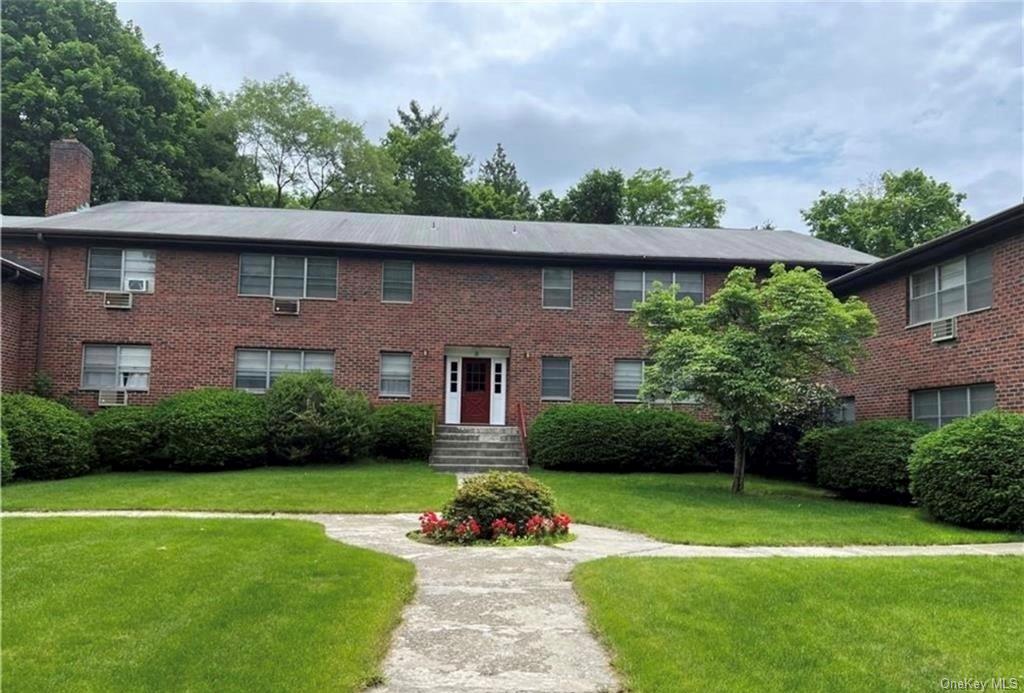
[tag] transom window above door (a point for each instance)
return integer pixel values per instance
(116, 269)
(632, 286)
(958, 286)
(288, 276)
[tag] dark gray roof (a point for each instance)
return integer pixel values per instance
(446, 234)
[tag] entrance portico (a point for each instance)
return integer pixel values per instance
(476, 380)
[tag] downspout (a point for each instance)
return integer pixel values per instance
(40, 325)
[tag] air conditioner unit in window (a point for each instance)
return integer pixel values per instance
(113, 398)
(944, 330)
(117, 299)
(286, 306)
(138, 285)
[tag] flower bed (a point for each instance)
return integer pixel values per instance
(436, 529)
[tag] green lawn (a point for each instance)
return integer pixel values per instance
(368, 487)
(848, 624)
(201, 605)
(699, 509)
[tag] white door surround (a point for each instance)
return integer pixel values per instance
(453, 381)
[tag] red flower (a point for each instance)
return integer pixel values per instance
(503, 528)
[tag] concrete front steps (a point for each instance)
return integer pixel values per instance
(473, 449)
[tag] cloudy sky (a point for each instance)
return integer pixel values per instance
(769, 103)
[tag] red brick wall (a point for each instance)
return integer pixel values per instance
(989, 346)
(195, 320)
(19, 311)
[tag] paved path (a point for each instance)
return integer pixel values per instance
(507, 619)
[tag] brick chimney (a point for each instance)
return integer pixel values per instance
(70, 185)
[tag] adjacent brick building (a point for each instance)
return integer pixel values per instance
(951, 326)
(135, 301)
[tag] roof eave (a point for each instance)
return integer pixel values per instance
(981, 232)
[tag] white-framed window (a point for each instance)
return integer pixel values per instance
(845, 412)
(257, 369)
(288, 276)
(958, 286)
(118, 269)
(556, 378)
(556, 289)
(942, 406)
(395, 374)
(627, 380)
(396, 281)
(116, 367)
(632, 286)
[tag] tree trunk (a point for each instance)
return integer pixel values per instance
(739, 461)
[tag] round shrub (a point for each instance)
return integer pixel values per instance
(971, 472)
(808, 451)
(500, 495)
(586, 437)
(404, 431)
(664, 440)
(868, 460)
(48, 440)
(211, 429)
(310, 420)
(6, 463)
(125, 437)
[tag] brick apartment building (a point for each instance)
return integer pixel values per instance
(137, 300)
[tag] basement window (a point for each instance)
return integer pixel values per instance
(632, 286)
(288, 276)
(115, 367)
(257, 369)
(937, 408)
(116, 269)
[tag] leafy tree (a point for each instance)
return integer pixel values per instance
(653, 197)
(500, 174)
(72, 68)
(596, 199)
(550, 207)
(298, 152)
(368, 182)
(897, 212)
(428, 161)
(753, 348)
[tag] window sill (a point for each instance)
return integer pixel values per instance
(397, 303)
(288, 298)
(90, 390)
(556, 399)
(929, 322)
(556, 307)
(119, 291)
(394, 396)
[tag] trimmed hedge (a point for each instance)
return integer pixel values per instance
(808, 452)
(500, 495)
(48, 440)
(212, 429)
(404, 431)
(609, 438)
(868, 460)
(310, 420)
(6, 463)
(971, 472)
(125, 437)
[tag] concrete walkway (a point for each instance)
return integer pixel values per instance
(507, 619)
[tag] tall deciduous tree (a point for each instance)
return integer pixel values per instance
(596, 199)
(897, 212)
(654, 197)
(550, 207)
(753, 348)
(428, 161)
(72, 68)
(498, 192)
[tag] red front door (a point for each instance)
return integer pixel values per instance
(476, 391)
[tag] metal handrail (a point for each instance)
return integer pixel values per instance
(522, 431)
